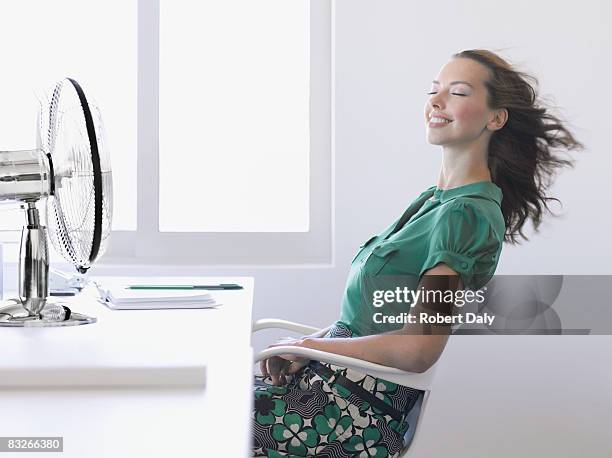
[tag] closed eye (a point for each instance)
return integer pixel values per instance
(453, 93)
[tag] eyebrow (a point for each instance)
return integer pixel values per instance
(455, 82)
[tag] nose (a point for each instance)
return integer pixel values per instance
(436, 102)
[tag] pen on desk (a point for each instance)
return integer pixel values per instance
(222, 286)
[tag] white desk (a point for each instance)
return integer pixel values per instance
(138, 383)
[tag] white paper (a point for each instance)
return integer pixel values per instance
(119, 296)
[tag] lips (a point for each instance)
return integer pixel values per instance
(439, 115)
(437, 122)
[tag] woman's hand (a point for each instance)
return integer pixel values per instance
(277, 367)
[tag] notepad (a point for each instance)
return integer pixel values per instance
(120, 297)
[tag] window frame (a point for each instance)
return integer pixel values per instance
(147, 245)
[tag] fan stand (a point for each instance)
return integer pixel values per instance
(29, 309)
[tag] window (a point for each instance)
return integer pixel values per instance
(233, 116)
(44, 42)
(232, 144)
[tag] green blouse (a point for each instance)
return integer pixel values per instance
(462, 227)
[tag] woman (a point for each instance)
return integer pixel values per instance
(496, 141)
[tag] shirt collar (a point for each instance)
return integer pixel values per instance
(486, 189)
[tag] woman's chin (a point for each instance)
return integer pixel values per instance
(434, 140)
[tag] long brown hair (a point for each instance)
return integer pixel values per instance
(521, 159)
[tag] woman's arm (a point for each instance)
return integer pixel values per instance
(413, 348)
(413, 353)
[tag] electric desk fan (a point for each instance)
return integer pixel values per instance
(71, 171)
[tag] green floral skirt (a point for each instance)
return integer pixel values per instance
(331, 411)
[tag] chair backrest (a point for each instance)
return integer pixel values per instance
(413, 419)
(422, 381)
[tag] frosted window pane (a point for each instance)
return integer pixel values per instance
(234, 116)
(95, 43)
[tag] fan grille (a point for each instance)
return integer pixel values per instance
(79, 213)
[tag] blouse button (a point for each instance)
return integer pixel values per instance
(464, 265)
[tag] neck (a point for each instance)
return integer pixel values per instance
(461, 166)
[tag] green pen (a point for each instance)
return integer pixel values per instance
(222, 286)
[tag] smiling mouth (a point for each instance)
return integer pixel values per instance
(439, 123)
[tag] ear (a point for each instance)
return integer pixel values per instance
(500, 117)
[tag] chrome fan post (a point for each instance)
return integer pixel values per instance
(25, 177)
(33, 264)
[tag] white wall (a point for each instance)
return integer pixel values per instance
(509, 396)
(388, 52)
(532, 396)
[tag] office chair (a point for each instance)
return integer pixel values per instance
(422, 381)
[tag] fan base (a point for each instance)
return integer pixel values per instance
(13, 314)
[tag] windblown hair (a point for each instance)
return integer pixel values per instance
(521, 157)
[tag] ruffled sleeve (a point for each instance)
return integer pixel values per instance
(464, 239)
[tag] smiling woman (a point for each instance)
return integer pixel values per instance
(477, 94)
(497, 163)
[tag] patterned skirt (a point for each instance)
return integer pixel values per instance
(331, 411)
